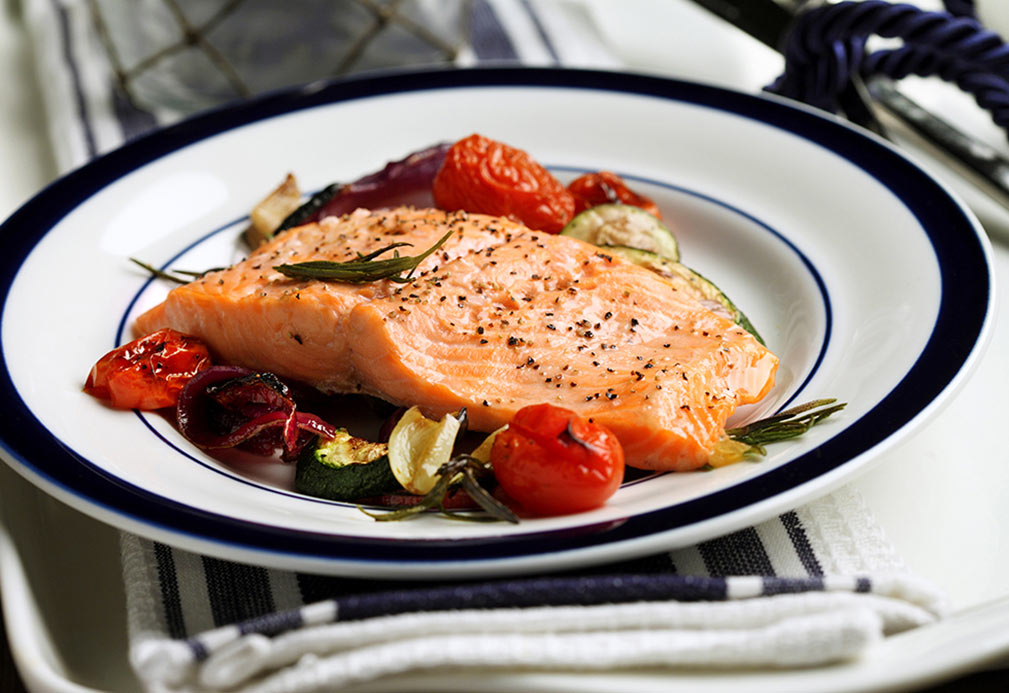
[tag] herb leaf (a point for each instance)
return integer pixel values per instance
(179, 276)
(790, 423)
(363, 269)
(434, 498)
(491, 505)
(460, 470)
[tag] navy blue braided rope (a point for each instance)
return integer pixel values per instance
(961, 8)
(827, 47)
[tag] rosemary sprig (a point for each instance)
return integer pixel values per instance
(185, 277)
(462, 470)
(363, 269)
(373, 254)
(161, 274)
(491, 505)
(434, 499)
(790, 423)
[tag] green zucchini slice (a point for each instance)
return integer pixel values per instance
(686, 279)
(344, 469)
(624, 225)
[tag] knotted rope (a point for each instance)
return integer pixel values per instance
(827, 47)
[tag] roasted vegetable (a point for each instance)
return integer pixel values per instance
(149, 372)
(229, 406)
(345, 468)
(624, 225)
(404, 182)
(552, 461)
(485, 176)
(419, 446)
(606, 187)
(267, 216)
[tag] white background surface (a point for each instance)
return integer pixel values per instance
(942, 497)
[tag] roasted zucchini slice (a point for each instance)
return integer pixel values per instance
(624, 225)
(345, 468)
(687, 279)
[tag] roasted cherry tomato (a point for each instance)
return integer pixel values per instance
(552, 461)
(148, 373)
(487, 177)
(605, 187)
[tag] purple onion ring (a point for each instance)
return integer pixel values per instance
(192, 415)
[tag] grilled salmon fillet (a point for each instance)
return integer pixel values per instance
(254, 316)
(499, 318)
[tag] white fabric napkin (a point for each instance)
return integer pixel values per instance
(811, 587)
(816, 585)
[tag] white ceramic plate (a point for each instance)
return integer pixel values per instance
(862, 273)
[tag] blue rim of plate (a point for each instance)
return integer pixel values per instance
(961, 322)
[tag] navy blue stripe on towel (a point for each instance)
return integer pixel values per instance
(528, 593)
(541, 31)
(170, 598)
(271, 624)
(776, 585)
(739, 553)
(488, 38)
(656, 563)
(535, 592)
(237, 592)
(200, 652)
(68, 57)
(800, 542)
(317, 588)
(133, 120)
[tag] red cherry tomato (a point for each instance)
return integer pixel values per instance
(605, 187)
(487, 177)
(553, 462)
(148, 373)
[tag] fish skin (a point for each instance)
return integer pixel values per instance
(499, 318)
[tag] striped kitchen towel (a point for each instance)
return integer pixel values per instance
(816, 585)
(111, 70)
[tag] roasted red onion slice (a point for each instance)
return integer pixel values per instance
(404, 182)
(251, 395)
(229, 406)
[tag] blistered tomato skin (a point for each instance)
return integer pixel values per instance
(553, 462)
(483, 176)
(149, 372)
(605, 187)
